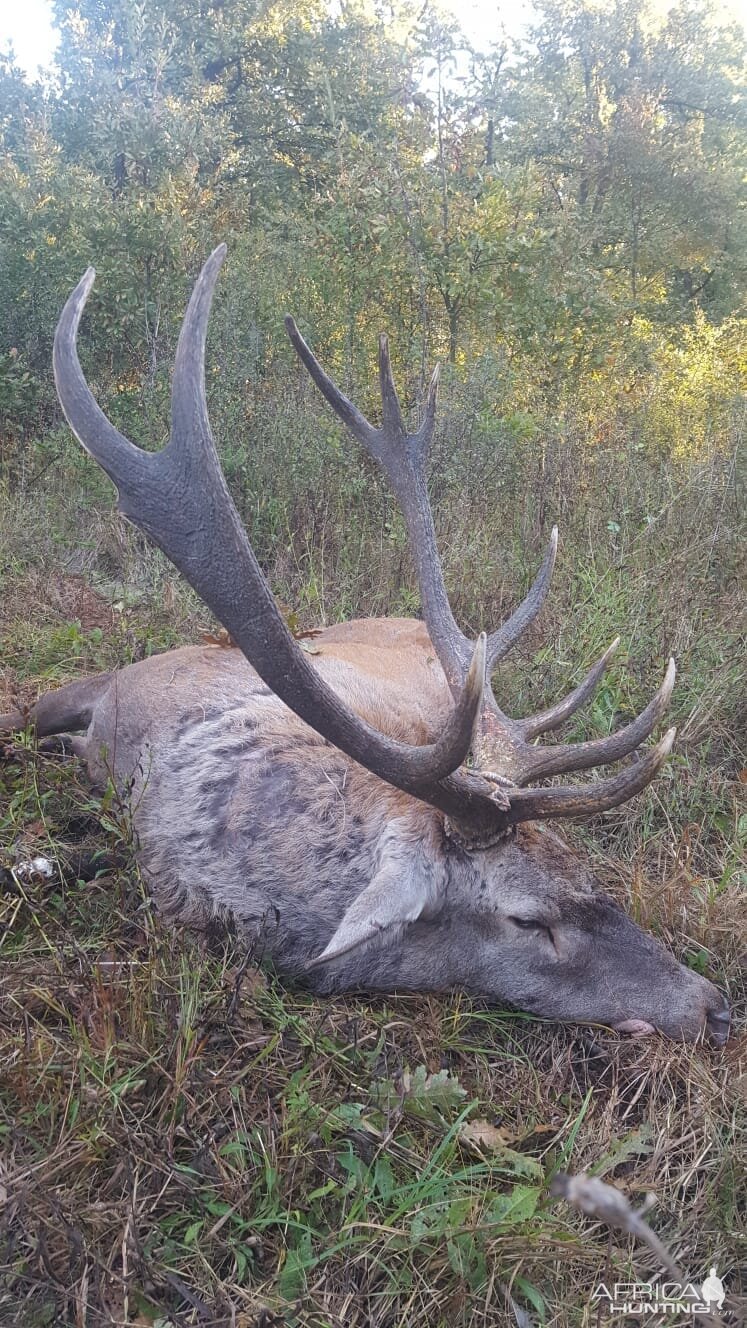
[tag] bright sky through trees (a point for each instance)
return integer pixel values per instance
(29, 28)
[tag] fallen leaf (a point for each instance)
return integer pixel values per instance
(220, 638)
(484, 1135)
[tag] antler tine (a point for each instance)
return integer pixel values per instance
(190, 423)
(113, 452)
(532, 804)
(547, 720)
(402, 457)
(542, 762)
(179, 497)
(355, 421)
(422, 439)
(504, 637)
(392, 424)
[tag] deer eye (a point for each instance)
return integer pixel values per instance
(532, 924)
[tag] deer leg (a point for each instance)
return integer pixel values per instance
(68, 708)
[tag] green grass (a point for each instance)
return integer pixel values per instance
(187, 1142)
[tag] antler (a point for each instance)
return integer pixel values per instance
(178, 496)
(502, 749)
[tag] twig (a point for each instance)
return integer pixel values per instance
(595, 1198)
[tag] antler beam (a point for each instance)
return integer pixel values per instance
(179, 498)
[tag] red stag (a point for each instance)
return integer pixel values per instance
(367, 813)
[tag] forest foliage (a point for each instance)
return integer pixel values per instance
(560, 216)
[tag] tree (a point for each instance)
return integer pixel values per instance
(637, 128)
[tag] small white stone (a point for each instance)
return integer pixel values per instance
(36, 867)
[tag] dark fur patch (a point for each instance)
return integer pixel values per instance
(222, 784)
(589, 912)
(191, 720)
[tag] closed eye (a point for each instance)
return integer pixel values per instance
(529, 924)
(533, 924)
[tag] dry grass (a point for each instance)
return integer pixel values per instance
(185, 1142)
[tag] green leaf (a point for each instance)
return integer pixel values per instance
(535, 1297)
(634, 1144)
(292, 1279)
(430, 1097)
(383, 1178)
(514, 1208)
(518, 1164)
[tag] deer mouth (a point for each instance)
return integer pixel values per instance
(718, 1023)
(716, 1028)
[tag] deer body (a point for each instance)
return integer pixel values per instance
(243, 812)
(322, 798)
(386, 668)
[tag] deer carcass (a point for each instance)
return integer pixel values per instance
(366, 813)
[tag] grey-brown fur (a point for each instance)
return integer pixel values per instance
(242, 811)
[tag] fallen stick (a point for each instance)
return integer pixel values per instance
(595, 1198)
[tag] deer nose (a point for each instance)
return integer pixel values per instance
(717, 1025)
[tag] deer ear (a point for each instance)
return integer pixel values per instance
(401, 891)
